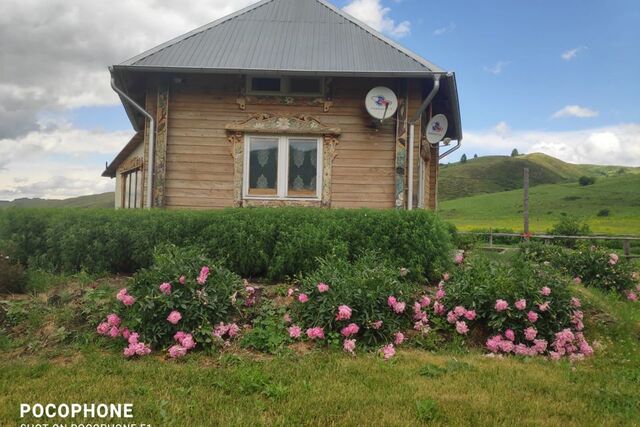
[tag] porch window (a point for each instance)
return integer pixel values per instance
(132, 189)
(282, 167)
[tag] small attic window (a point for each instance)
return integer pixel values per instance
(292, 86)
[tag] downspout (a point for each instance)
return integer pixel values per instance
(152, 138)
(414, 119)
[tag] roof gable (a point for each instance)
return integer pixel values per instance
(297, 36)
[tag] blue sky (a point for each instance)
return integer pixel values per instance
(562, 77)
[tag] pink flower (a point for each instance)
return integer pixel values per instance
(182, 280)
(103, 328)
(165, 288)
(303, 298)
(121, 293)
(133, 338)
(575, 302)
(459, 259)
(377, 324)
(506, 346)
(315, 333)
(388, 351)
(532, 316)
(511, 336)
(540, 346)
(174, 317)
(294, 331)
(544, 306)
(136, 349)
(176, 351)
(462, 328)
(344, 313)
(530, 333)
(446, 277)
(577, 280)
(323, 287)
(113, 320)
(290, 292)
(613, 259)
(128, 300)
(287, 318)
(398, 338)
(125, 333)
(188, 342)
(521, 304)
(425, 301)
(114, 332)
(632, 296)
(440, 293)
(179, 336)
(399, 307)
(350, 329)
(470, 315)
(546, 291)
(459, 311)
(501, 305)
(204, 274)
(349, 346)
(391, 300)
(493, 343)
(438, 308)
(220, 330)
(451, 317)
(233, 330)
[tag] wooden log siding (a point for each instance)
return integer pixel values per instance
(200, 164)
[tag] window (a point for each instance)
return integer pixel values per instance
(132, 189)
(282, 167)
(300, 86)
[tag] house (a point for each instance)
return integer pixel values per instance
(286, 102)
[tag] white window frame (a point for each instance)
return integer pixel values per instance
(284, 86)
(282, 189)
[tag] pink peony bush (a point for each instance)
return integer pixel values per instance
(182, 302)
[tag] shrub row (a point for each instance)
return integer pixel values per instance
(273, 243)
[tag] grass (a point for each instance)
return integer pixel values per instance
(327, 387)
(548, 203)
(104, 200)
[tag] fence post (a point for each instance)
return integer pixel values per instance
(627, 249)
(490, 237)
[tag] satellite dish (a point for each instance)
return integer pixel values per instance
(381, 103)
(437, 128)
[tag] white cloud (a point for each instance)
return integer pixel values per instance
(611, 145)
(374, 14)
(443, 30)
(572, 53)
(497, 68)
(575, 111)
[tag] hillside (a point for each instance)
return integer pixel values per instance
(493, 174)
(619, 194)
(104, 200)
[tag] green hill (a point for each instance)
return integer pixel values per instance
(619, 194)
(493, 174)
(104, 200)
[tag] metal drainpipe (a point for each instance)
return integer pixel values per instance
(152, 138)
(416, 116)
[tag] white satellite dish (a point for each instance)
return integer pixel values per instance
(437, 128)
(381, 103)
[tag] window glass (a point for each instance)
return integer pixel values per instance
(265, 84)
(132, 189)
(263, 167)
(303, 167)
(304, 85)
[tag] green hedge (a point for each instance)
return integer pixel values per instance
(274, 243)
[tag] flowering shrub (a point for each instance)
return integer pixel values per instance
(523, 308)
(367, 302)
(184, 300)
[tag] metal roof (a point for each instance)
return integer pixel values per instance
(294, 36)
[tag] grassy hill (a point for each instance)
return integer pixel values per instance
(104, 200)
(493, 174)
(620, 194)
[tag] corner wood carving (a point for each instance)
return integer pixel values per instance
(277, 125)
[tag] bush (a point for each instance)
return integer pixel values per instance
(524, 308)
(12, 276)
(604, 212)
(340, 294)
(182, 293)
(586, 180)
(270, 242)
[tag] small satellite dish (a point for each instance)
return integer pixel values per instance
(437, 128)
(381, 103)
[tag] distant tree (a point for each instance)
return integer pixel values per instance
(586, 180)
(463, 159)
(515, 153)
(475, 156)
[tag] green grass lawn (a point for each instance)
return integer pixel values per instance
(327, 387)
(619, 194)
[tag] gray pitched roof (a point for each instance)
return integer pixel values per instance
(295, 36)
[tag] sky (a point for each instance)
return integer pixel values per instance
(559, 77)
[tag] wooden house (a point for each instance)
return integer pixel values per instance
(268, 107)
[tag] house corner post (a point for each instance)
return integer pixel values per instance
(160, 163)
(401, 143)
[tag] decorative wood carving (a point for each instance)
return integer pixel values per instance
(401, 142)
(131, 164)
(160, 164)
(269, 123)
(328, 155)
